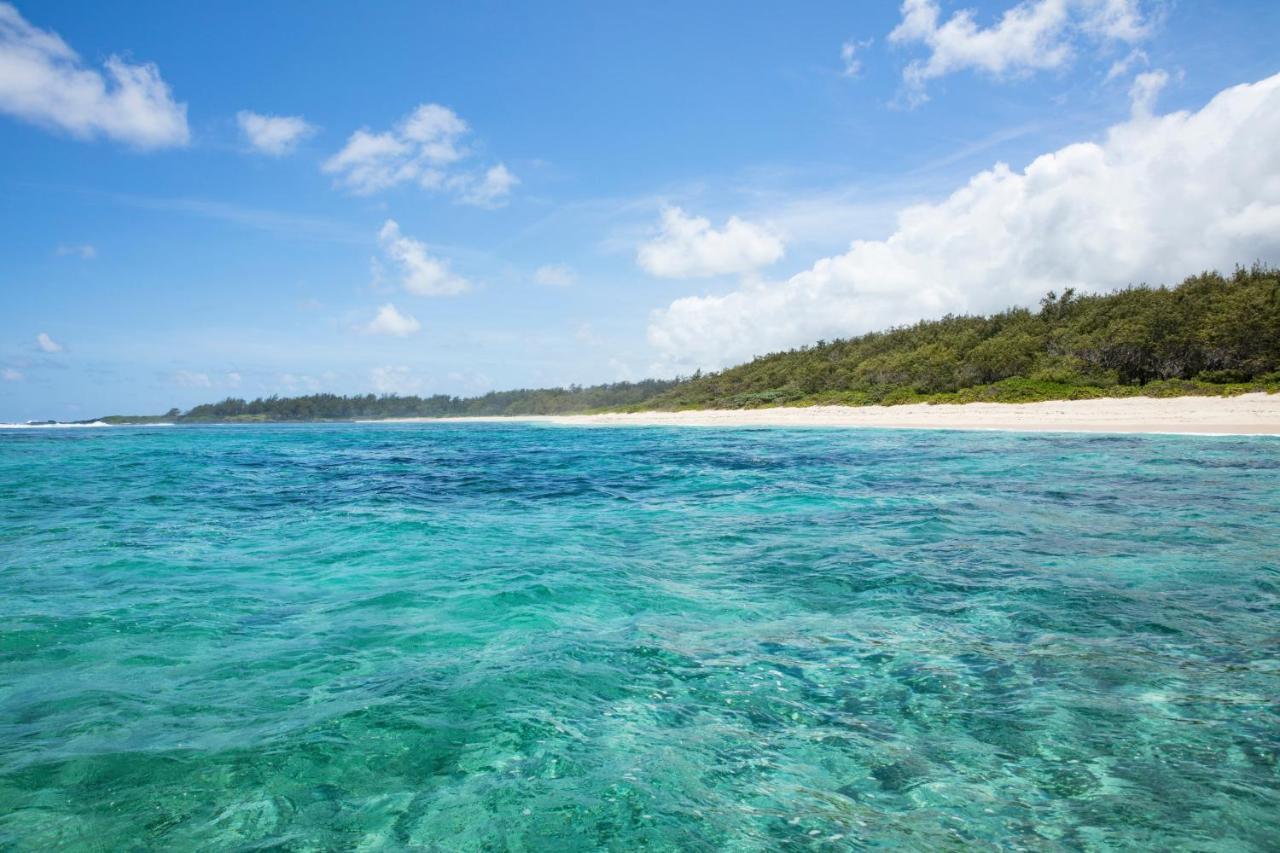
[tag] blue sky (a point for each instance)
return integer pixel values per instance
(203, 201)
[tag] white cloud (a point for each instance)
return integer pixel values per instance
(273, 135)
(1158, 198)
(188, 379)
(85, 251)
(420, 272)
(688, 247)
(370, 162)
(395, 380)
(47, 343)
(1123, 66)
(554, 275)
(1145, 89)
(437, 129)
(44, 81)
(378, 276)
(1034, 35)
(234, 379)
(391, 322)
(423, 148)
(488, 190)
(1115, 20)
(849, 57)
(11, 375)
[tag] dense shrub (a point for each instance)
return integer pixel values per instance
(1210, 334)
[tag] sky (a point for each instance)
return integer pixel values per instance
(243, 199)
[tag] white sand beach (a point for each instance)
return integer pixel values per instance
(1247, 414)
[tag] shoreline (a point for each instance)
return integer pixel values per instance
(1256, 414)
(1246, 414)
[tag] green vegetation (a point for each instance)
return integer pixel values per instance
(1209, 335)
(169, 417)
(539, 401)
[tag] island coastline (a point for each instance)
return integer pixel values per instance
(1245, 414)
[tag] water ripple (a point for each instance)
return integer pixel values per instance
(515, 637)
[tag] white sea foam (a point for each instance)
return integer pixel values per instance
(80, 425)
(54, 426)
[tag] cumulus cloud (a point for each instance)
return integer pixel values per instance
(11, 375)
(44, 81)
(488, 190)
(273, 135)
(426, 148)
(1032, 36)
(370, 162)
(395, 380)
(554, 275)
(1158, 198)
(390, 321)
(84, 250)
(420, 272)
(688, 247)
(47, 343)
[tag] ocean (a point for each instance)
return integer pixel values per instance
(525, 637)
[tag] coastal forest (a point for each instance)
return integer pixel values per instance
(1211, 334)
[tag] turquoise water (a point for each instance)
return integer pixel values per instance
(485, 637)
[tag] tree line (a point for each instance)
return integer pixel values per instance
(528, 401)
(1211, 334)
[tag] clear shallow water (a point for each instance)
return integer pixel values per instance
(530, 638)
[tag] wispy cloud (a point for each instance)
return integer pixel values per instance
(273, 135)
(190, 379)
(48, 344)
(396, 379)
(850, 59)
(44, 81)
(488, 190)
(1145, 89)
(1129, 61)
(554, 275)
(966, 150)
(206, 380)
(283, 223)
(84, 251)
(303, 383)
